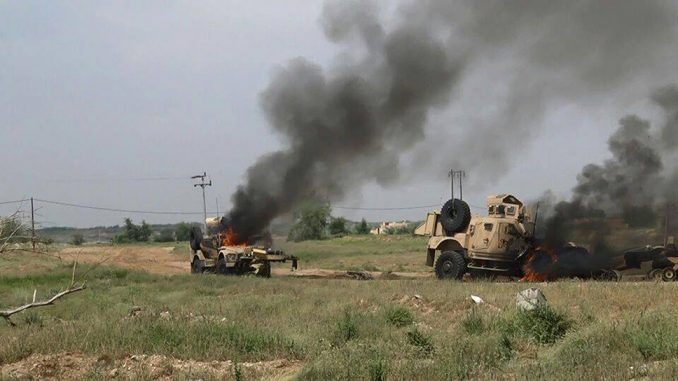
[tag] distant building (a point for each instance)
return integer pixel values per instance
(386, 226)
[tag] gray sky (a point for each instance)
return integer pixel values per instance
(94, 95)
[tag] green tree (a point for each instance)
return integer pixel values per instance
(145, 232)
(11, 230)
(338, 226)
(78, 239)
(310, 224)
(362, 227)
(165, 235)
(183, 231)
(134, 233)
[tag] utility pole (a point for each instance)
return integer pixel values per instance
(202, 184)
(667, 221)
(452, 174)
(218, 207)
(32, 224)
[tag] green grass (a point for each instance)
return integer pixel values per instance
(370, 253)
(343, 329)
(399, 316)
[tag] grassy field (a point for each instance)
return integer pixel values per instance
(339, 329)
(370, 253)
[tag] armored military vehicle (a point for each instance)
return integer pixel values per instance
(480, 245)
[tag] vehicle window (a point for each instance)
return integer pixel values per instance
(511, 230)
(511, 210)
(488, 227)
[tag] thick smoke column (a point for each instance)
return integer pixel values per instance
(634, 183)
(529, 58)
(350, 124)
(347, 125)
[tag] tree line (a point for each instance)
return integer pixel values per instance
(314, 222)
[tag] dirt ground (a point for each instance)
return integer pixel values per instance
(170, 261)
(76, 366)
(154, 259)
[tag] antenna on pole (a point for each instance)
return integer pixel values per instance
(460, 174)
(202, 184)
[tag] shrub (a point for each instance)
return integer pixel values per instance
(378, 369)
(338, 226)
(423, 342)
(347, 327)
(545, 325)
(12, 230)
(311, 222)
(165, 235)
(399, 316)
(78, 239)
(183, 231)
(362, 227)
(473, 323)
(134, 233)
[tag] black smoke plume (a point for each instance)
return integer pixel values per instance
(635, 183)
(346, 125)
(349, 124)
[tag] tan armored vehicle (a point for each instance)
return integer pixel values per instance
(220, 252)
(480, 245)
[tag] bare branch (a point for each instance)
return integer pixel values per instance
(8, 313)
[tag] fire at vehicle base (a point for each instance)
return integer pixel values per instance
(221, 253)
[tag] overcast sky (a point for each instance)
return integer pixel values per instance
(95, 96)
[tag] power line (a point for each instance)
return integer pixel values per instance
(394, 208)
(13, 202)
(117, 210)
(158, 212)
(103, 179)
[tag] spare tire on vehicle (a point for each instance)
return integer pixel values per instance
(455, 216)
(195, 238)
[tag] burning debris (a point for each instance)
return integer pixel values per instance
(544, 263)
(224, 252)
(634, 184)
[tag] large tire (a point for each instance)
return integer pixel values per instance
(220, 267)
(195, 238)
(197, 266)
(455, 216)
(264, 270)
(655, 275)
(668, 275)
(450, 265)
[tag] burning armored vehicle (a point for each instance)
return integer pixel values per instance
(223, 252)
(501, 243)
(483, 246)
(652, 262)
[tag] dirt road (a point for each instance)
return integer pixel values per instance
(170, 261)
(157, 260)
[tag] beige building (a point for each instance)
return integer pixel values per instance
(386, 226)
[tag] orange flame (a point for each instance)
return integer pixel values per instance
(533, 274)
(230, 238)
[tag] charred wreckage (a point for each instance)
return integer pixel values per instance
(221, 251)
(504, 243)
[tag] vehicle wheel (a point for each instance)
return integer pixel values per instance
(450, 265)
(455, 216)
(610, 276)
(655, 274)
(668, 275)
(220, 267)
(195, 238)
(264, 270)
(197, 266)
